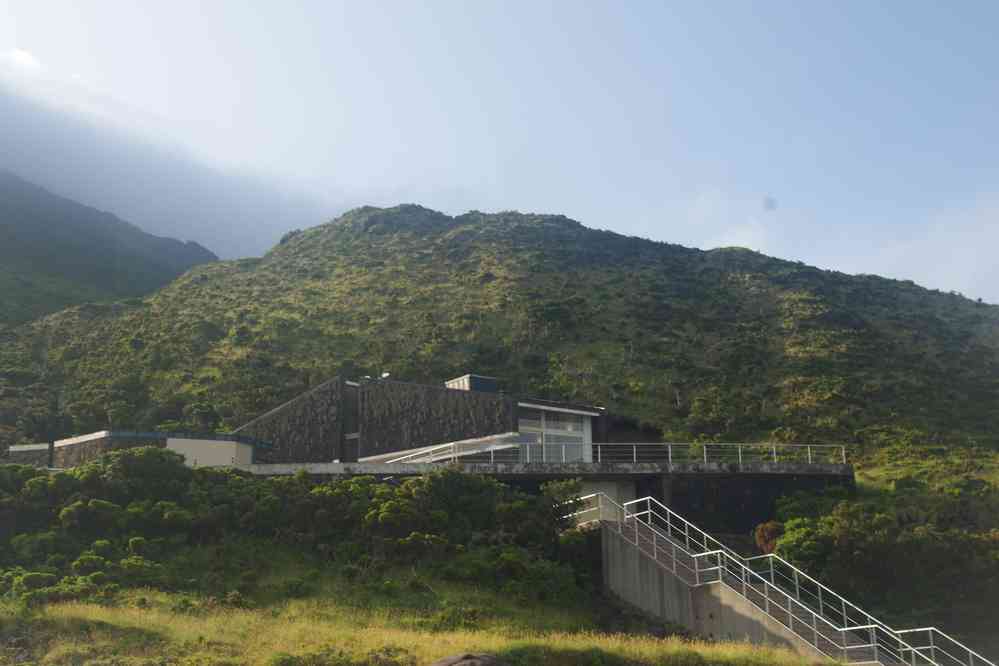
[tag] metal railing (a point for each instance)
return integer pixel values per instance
(669, 453)
(942, 649)
(445, 451)
(728, 453)
(815, 614)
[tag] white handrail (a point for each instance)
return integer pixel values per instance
(870, 619)
(937, 648)
(421, 453)
(662, 452)
(895, 645)
(790, 600)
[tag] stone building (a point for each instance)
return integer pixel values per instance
(371, 419)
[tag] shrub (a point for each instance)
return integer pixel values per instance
(37, 547)
(103, 548)
(235, 599)
(351, 572)
(136, 570)
(453, 618)
(88, 564)
(295, 588)
(766, 536)
(33, 580)
(98, 578)
(138, 546)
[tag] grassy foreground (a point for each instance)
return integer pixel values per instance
(394, 621)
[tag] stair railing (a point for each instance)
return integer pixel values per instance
(858, 643)
(825, 601)
(943, 649)
(707, 567)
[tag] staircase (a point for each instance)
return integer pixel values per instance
(817, 619)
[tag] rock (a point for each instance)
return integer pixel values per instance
(469, 660)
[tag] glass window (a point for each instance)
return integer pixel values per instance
(529, 419)
(561, 421)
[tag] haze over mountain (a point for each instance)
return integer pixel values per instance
(164, 190)
(727, 344)
(55, 252)
(851, 136)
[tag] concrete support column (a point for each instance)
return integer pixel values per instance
(666, 489)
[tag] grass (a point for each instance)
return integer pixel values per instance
(416, 626)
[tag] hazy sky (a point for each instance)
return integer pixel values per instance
(858, 136)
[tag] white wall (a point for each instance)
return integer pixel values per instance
(620, 491)
(210, 452)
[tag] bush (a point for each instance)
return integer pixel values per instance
(516, 571)
(453, 618)
(236, 600)
(138, 571)
(33, 580)
(37, 547)
(103, 548)
(138, 546)
(88, 564)
(295, 588)
(766, 536)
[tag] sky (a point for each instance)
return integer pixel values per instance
(850, 135)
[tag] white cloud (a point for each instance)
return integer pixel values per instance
(21, 61)
(27, 76)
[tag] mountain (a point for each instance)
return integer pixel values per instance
(55, 252)
(725, 343)
(155, 184)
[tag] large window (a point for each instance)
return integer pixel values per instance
(554, 436)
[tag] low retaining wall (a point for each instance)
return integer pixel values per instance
(35, 455)
(78, 450)
(205, 451)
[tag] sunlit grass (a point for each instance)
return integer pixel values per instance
(83, 631)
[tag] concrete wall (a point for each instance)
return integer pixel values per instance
(735, 503)
(210, 452)
(713, 611)
(395, 416)
(78, 450)
(35, 455)
(620, 491)
(309, 428)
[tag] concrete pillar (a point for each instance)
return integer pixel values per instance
(666, 489)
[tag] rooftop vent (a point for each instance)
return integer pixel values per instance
(473, 383)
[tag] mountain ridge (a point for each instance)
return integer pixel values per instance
(722, 344)
(57, 252)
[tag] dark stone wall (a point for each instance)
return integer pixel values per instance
(395, 415)
(72, 455)
(39, 458)
(309, 428)
(740, 502)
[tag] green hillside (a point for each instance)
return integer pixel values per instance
(55, 253)
(726, 343)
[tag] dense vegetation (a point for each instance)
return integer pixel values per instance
(138, 558)
(918, 545)
(725, 344)
(55, 253)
